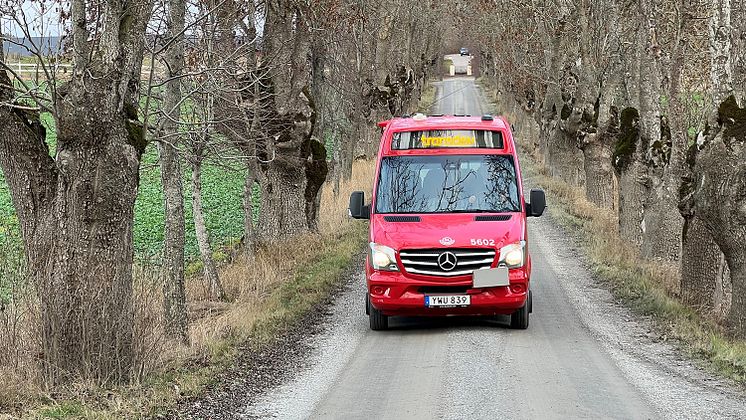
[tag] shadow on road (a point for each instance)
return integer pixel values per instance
(443, 323)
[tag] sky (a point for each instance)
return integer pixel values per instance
(42, 17)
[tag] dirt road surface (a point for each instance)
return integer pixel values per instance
(583, 356)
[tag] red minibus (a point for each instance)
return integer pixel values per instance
(448, 231)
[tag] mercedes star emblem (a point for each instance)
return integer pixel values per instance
(447, 261)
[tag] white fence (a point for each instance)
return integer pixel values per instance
(24, 69)
(36, 70)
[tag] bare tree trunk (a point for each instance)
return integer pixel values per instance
(215, 288)
(565, 158)
(382, 47)
(596, 144)
(702, 266)
(283, 211)
(631, 174)
(172, 273)
(76, 217)
(638, 126)
(599, 173)
(286, 185)
(659, 206)
(705, 278)
(316, 172)
(558, 144)
(76, 210)
(719, 181)
(663, 224)
(239, 108)
(738, 44)
(723, 291)
(249, 235)
(595, 116)
(720, 177)
(90, 327)
(549, 112)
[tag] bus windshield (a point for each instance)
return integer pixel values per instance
(447, 184)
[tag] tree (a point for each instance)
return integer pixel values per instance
(593, 115)
(292, 115)
(627, 96)
(76, 208)
(719, 176)
(172, 273)
(705, 280)
(214, 287)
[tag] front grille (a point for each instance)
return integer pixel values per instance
(425, 261)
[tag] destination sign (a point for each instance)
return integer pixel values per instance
(444, 139)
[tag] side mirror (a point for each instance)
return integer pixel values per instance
(357, 209)
(538, 203)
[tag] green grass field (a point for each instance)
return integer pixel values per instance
(222, 191)
(222, 197)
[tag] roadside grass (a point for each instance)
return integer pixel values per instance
(427, 98)
(648, 288)
(447, 63)
(268, 292)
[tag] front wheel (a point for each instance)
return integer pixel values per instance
(519, 318)
(378, 321)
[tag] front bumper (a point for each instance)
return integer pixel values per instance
(395, 294)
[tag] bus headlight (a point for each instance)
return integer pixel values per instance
(512, 256)
(383, 257)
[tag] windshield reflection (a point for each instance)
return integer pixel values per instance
(447, 184)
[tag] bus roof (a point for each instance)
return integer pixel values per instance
(446, 122)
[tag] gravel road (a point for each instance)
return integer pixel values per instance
(582, 357)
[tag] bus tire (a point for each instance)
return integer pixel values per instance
(378, 321)
(519, 318)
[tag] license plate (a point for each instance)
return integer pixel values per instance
(453, 301)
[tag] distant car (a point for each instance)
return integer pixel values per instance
(464, 51)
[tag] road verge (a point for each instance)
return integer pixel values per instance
(647, 288)
(277, 294)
